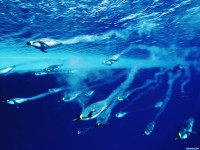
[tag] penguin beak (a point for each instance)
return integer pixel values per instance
(177, 136)
(28, 43)
(77, 118)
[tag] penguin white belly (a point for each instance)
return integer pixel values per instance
(51, 43)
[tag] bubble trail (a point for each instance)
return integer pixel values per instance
(139, 95)
(124, 85)
(122, 113)
(172, 78)
(103, 118)
(125, 95)
(95, 109)
(112, 99)
(187, 76)
(83, 96)
(21, 100)
(92, 38)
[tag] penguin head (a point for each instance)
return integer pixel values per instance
(178, 136)
(81, 117)
(33, 43)
(28, 43)
(10, 102)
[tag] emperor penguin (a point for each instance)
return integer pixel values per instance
(44, 44)
(186, 129)
(93, 110)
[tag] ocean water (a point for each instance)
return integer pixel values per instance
(128, 69)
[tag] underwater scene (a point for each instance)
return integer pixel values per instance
(100, 75)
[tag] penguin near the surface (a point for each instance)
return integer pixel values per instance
(111, 60)
(44, 44)
(6, 70)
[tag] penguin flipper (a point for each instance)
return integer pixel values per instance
(16, 104)
(43, 45)
(43, 50)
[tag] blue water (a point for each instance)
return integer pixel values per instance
(158, 43)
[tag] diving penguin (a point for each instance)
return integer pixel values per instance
(44, 44)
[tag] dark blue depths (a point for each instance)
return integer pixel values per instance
(46, 123)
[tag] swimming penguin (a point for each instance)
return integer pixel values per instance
(53, 68)
(180, 67)
(124, 96)
(115, 57)
(186, 129)
(71, 96)
(44, 44)
(16, 101)
(92, 111)
(149, 128)
(111, 60)
(6, 70)
(120, 114)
